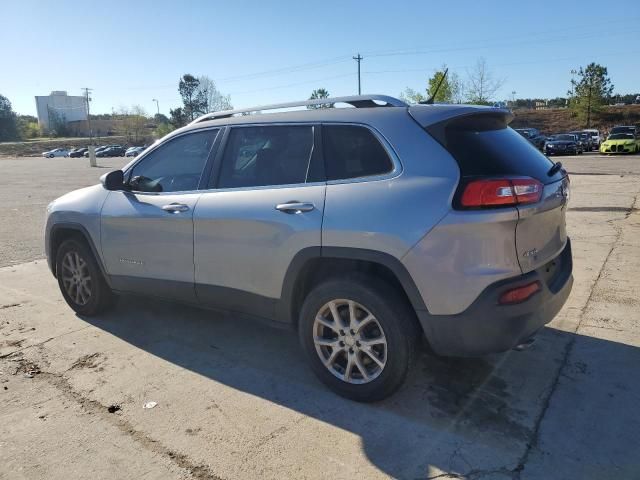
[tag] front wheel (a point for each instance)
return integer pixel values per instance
(360, 337)
(80, 279)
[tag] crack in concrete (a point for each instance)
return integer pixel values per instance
(7, 355)
(10, 305)
(567, 352)
(62, 384)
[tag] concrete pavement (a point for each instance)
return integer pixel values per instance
(236, 400)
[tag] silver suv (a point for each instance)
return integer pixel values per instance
(366, 228)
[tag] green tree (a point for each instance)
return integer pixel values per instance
(411, 96)
(590, 91)
(160, 118)
(8, 121)
(444, 94)
(28, 127)
(177, 117)
(193, 99)
(450, 91)
(318, 94)
(163, 129)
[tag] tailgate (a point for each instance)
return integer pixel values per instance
(541, 232)
(486, 149)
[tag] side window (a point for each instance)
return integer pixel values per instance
(271, 155)
(175, 166)
(351, 152)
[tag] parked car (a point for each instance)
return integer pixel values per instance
(621, 143)
(585, 140)
(111, 151)
(98, 149)
(133, 151)
(78, 152)
(624, 129)
(330, 220)
(595, 137)
(563, 144)
(534, 136)
(56, 152)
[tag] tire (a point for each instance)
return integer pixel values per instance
(96, 296)
(393, 320)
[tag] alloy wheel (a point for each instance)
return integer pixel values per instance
(350, 341)
(76, 278)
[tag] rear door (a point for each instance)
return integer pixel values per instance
(264, 206)
(485, 147)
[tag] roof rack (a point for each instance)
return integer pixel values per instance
(357, 101)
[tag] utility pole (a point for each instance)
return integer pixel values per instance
(358, 59)
(589, 105)
(157, 105)
(87, 100)
(92, 151)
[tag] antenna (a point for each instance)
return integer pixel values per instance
(429, 101)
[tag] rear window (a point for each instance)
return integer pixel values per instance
(496, 152)
(351, 152)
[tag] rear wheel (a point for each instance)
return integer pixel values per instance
(360, 337)
(80, 279)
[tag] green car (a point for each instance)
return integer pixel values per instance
(620, 143)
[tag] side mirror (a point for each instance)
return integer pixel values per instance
(113, 180)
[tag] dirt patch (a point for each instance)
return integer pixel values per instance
(86, 361)
(563, 120)
(12, 343)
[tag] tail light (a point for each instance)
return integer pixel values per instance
(487, 193)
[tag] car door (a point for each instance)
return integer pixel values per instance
(147, 232)
(264, 207)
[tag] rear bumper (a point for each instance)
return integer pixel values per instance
(487, 327)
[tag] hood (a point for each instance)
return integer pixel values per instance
(80, 198)
(621, 141)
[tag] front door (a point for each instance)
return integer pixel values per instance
(147, 233)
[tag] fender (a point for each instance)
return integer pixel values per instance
(77, 227)
(284, 307)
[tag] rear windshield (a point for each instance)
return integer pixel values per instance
(497, 152)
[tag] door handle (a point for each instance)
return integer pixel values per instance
(295, 207)
(175, 207)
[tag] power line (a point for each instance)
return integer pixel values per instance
(507, 41)
(306, 82)
(290, 69)
(498, 44)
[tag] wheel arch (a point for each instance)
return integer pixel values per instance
(63, 231)
(315, 264)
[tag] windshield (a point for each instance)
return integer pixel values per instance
(621, 136)
(564, 137)
(622, 130)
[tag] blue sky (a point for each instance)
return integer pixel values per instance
(260, 52)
